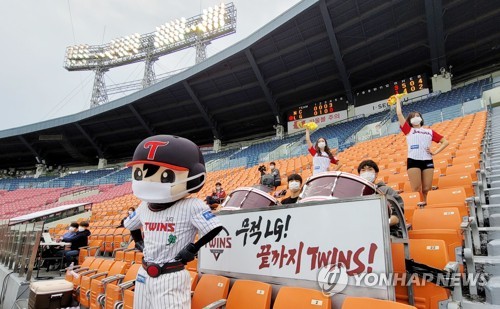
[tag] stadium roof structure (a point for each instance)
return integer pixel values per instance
(317, 50)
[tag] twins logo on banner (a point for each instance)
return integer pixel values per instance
(219, 243)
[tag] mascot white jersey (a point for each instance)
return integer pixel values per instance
(165, 169)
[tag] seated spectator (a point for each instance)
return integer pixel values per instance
(368, 170)
(217, 197)
(294, 185)
(54, 251)
(71, 233)
(81, 239)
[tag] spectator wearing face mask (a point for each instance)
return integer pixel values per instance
(420, 165)
(71, 233)
(218, 195)
(136, 234)
(129, 212)
(322, 155)
(276, 174)
(294, 185)
(81, 239)
(368, 170)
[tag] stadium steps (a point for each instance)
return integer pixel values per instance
(493, 214)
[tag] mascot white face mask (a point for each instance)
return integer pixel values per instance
(166, 168)
(160, 192)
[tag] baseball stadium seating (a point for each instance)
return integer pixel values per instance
(435, 226)
(111, 253)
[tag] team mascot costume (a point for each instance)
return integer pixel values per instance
(165, 170)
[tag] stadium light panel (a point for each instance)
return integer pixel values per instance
(175, 35)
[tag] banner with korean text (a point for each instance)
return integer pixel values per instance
(320, 120)
(296, 242)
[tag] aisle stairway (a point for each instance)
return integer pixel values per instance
(491, 234)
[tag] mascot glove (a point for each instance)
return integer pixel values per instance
(187, 254)
(140, 245)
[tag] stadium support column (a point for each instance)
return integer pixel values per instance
(334, 44)
(102, 163)
(271, 101)
(38, 157)
(434, 14)
(217, 145)
(441, 80)
(41, 170)
(149, 70)
(280, 131)
(204, 110)
(351, 110)
(201, 51)
(99, 95)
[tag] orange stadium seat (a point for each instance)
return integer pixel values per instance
(194, 279)
(457, 180)
(109, 243)
(119, 253)
(248, 294)
(115, 287)
(372, 303)
(296, 297)
(193, 265)
(466, 158)
(449, 197)
(102, 236)
(439, 223)
(98, 283)
(401, 179)
(411, 200)
(85, 265)
(431, 252)
(77, 278)
(128, 299)
(86, 279)
(91, 250)
(437, 218)
(464, 168)
(138, 257)
(441, 165)
(468, 152)
(95, 234)
(210, 288)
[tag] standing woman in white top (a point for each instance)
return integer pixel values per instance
(420, 164)
(322, 156)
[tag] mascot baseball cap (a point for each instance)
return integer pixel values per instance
(173, 152)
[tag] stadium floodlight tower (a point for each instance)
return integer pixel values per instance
(198, 31)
